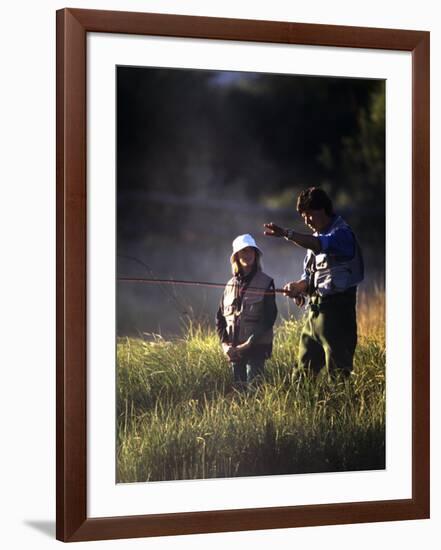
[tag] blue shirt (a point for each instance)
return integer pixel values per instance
(340, 243)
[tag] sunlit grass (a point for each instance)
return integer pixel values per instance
(371, 313)
(178, 416)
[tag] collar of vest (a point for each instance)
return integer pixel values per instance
(247, 278)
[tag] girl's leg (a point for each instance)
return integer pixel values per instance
(239, 369)
(254, 369)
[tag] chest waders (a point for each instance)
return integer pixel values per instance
(329, 335)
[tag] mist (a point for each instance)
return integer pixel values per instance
(204, 156)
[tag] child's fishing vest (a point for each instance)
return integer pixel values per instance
(249, 319)
(331, 274)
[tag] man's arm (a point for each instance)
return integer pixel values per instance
(300, 239)
(339, 243)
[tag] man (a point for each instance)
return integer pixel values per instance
(333, 267)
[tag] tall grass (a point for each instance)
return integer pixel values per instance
(371, 314)
(179, 417)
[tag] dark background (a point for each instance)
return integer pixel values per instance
(203, 156)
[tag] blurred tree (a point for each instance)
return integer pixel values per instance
(243, 136)
(359, 167)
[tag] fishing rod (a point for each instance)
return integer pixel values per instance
(250, 289)
(170, 295)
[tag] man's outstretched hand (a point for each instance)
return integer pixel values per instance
(273, 230)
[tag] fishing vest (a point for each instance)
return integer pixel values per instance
(331, 274)
(243, 322)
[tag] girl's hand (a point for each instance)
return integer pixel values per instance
(245, 345)
(229, 351)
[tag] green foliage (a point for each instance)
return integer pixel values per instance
(178, 416)
(358, 162)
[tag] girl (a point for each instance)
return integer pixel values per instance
(247, 312)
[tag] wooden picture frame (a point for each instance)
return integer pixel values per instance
(72, 523)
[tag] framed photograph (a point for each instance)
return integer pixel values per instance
(242, 275)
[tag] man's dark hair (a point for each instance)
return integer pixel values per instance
(314, 198)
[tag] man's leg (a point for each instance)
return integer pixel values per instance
(337, 328)
(311, 356)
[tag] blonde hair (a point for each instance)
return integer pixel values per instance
(235, 265)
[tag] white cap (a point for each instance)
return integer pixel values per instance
(243, 241)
